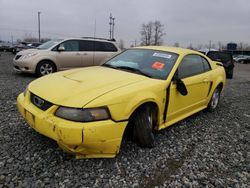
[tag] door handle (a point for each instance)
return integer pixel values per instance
(78, 53)
(85, 54)
(205, 80)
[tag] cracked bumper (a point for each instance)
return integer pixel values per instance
(100, 139)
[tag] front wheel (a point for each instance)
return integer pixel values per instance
(143, 126)
(214, 101)
(44, 68)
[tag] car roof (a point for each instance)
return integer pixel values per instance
(90, 39)
(181, 51)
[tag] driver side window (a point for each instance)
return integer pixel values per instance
(70, 46)
(191, 65)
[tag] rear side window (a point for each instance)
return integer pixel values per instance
(104, 47)
(86, 45)
(191, 65)
(205, 64)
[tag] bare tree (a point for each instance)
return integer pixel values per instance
(190, 46)
(158, 32)
(152, 33)
(33, 39)
(30, 39)
(200, 46)
(220, 45)
(147, 33)
(45, 40)
(176, 44)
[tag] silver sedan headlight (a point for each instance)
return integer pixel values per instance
(28, 55)
(83, 114)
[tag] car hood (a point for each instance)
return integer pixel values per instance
(29, 51)
(78, 87)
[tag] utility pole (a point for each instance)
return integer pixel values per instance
(12, 39)
(111, 26)
(39, 34)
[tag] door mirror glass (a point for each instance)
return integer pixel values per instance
(61, 48)
(181, 87)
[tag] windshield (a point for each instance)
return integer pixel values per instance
(49, 44)
(151, 63)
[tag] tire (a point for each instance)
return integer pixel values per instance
(45, 68)
(214, 101)
(143, 126)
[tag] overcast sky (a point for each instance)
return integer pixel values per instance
(185, 21)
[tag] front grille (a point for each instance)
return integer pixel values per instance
(39, 102)
(17, 57)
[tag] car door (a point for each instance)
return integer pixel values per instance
(194, 72)
(87, 52)
(69, 55)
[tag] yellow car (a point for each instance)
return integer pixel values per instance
(143, 89)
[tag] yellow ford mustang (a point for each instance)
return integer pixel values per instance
(144, 89)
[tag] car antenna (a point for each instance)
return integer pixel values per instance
(94, 42)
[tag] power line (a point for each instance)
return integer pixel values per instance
(35, 31)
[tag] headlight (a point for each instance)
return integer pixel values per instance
(83, 115)
(28, 55)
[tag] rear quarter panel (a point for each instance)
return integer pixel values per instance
(218, 74)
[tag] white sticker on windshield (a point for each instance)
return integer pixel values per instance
(167, 56)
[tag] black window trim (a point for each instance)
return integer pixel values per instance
(207, 63)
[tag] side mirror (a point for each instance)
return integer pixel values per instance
(181, 87)
(61, 48)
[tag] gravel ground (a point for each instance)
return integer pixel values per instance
(207, 149)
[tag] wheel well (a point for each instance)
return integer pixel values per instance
(48, 60)
(220, 86)
(129, 128)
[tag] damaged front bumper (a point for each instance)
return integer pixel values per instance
(101, 139)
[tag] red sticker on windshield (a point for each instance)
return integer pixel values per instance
(158, 65)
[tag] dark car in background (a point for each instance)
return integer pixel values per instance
(24, 46)
(5, 46)
(225, 58)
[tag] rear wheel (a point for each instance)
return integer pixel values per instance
(214, 101)
(44, 68)
(143, 126)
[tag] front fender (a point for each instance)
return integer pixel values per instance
(124, 101)
(45, 57)
(124, 110)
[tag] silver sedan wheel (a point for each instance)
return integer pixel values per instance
(46, 68)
